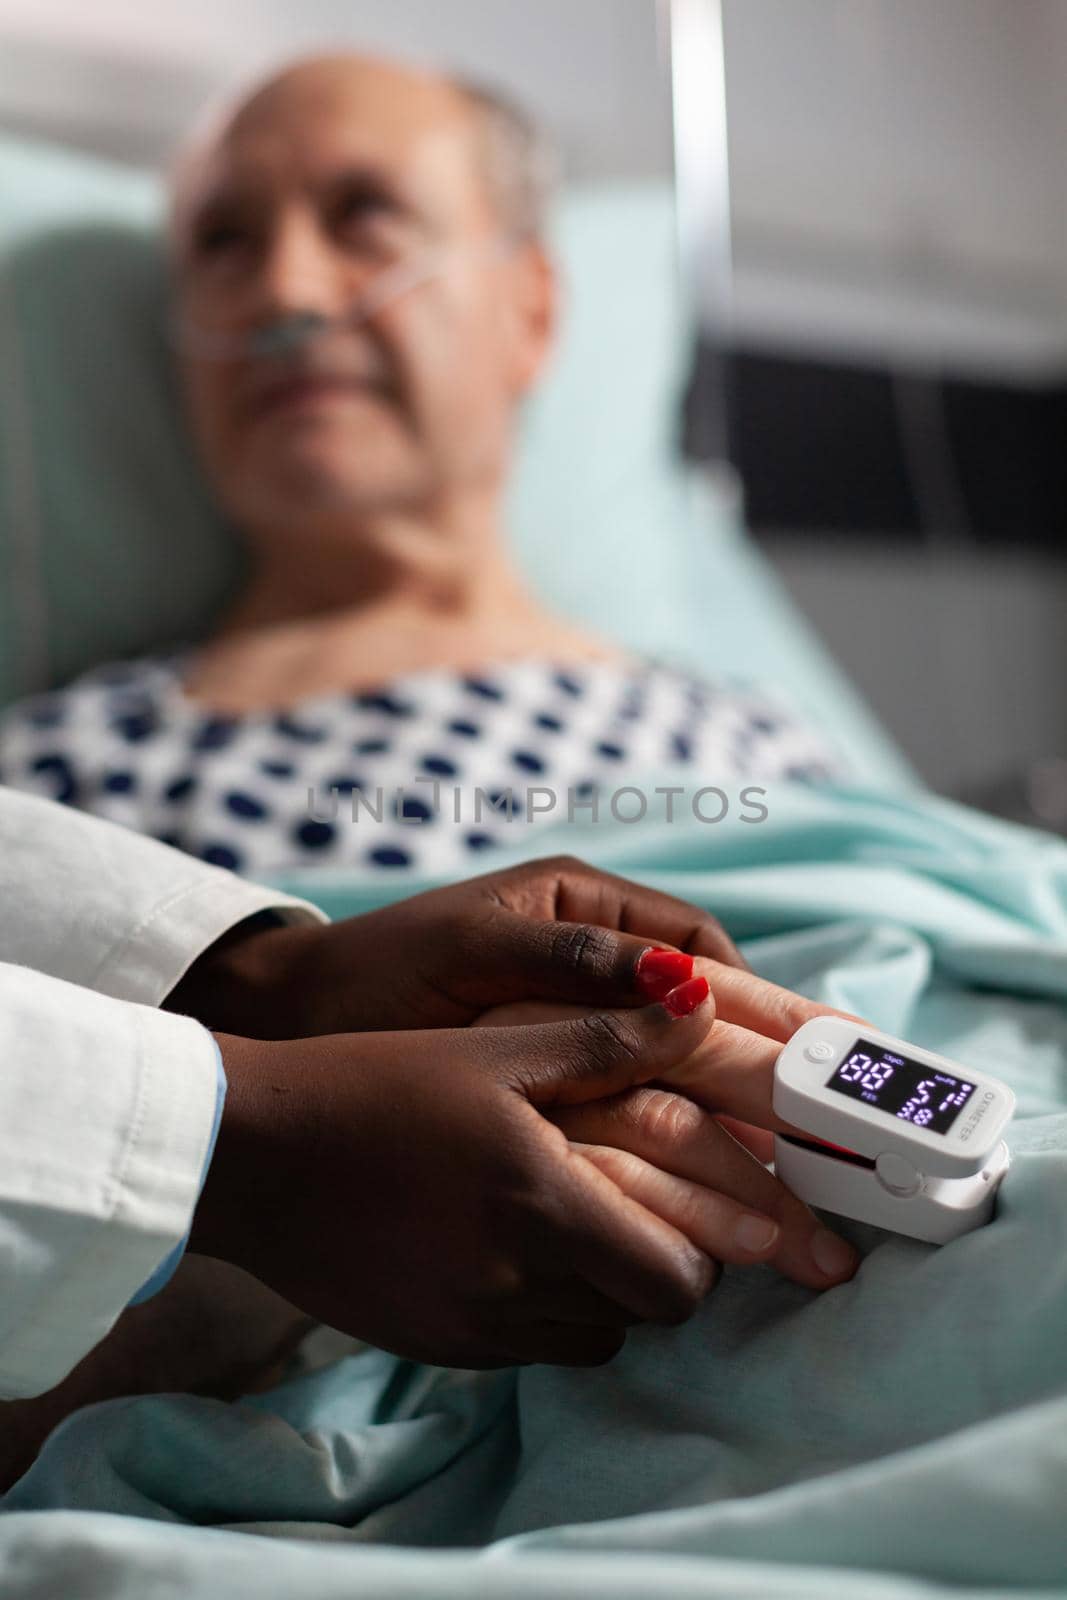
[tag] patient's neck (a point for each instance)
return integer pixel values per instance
(402, 563)
(400, 596)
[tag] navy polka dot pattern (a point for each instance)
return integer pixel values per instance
(389, 856)
(180, 788)
(119, 782)
(314, 835)
(222, 855)
(137, 727)
(424, 773)
(246, 806)
(484, 689)
(302, 732)
(568, 683)
(412, 809)
(59, 776)
(214, 733)
(387, 703)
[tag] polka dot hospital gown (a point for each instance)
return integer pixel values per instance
(417, 764)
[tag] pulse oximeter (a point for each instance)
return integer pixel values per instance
(892, 1134)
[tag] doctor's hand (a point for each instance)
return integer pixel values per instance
(552, 930)
(407, 1188)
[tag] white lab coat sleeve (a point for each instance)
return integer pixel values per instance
(106, 1109)
(101, 906)
(106, 1104)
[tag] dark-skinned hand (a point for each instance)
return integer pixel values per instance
(408, 1188)
(546, 930)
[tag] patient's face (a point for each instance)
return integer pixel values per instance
(335, 173)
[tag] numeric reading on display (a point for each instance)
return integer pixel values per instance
(901, 1087)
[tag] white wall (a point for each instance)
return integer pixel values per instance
(899, 175)
(963, 656)
(125, 76)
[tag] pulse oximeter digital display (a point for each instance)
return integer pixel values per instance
(912, 1091)
(891, 1134)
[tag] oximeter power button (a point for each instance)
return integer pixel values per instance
(897, 1175)
(821, 1050)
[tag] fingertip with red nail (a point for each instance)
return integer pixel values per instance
(683, 1000)
(659, 970)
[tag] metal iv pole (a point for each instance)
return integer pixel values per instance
(702, 200)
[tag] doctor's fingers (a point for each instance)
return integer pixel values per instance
(731, 1072)
(740, 997)
(677, 1161)
(562, 889)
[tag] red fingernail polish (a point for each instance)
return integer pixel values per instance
(658, 971)
(681, 1001)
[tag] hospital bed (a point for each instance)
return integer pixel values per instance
(905, 1436)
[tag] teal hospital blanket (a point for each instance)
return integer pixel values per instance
(902, 1435)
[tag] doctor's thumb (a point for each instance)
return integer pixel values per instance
(604, 1052)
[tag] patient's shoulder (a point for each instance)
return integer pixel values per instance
(108, 685)
(46, 739)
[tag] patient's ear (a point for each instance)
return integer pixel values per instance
(534, 309)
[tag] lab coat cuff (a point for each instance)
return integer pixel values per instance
(161, 948)
(173, 1259)
(143, 1208)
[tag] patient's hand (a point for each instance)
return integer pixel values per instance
(691, 1148)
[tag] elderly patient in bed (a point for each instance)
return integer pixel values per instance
(363, 298)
